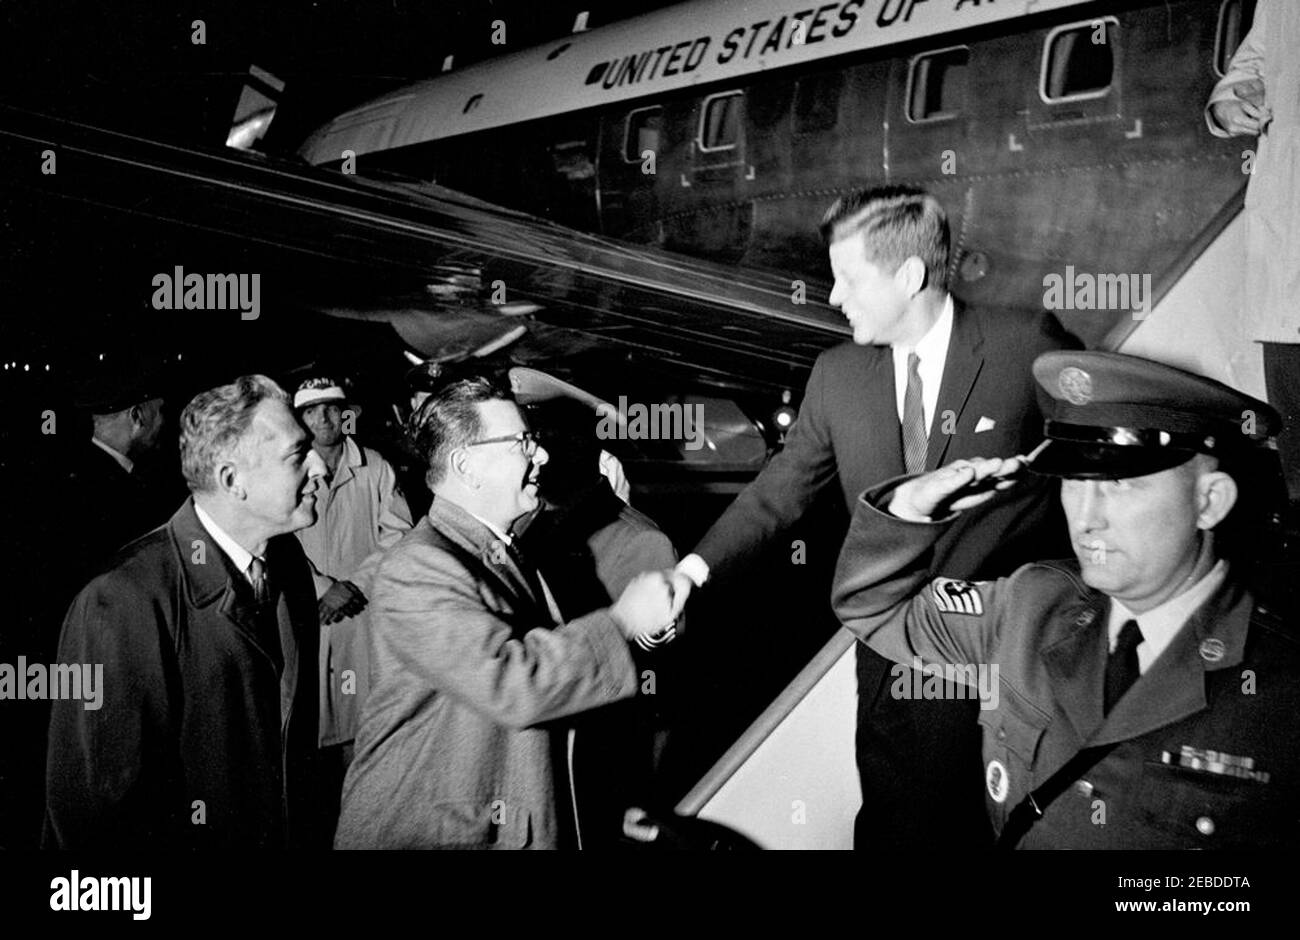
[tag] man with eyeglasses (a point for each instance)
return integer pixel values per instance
(462, 742)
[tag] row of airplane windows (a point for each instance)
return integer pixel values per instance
(1078, 64)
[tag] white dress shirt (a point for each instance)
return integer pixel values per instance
(932, 350)
(1161, 624)
(238, 555)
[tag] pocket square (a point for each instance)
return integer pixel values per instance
(985, 423)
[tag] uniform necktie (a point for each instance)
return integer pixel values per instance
(915, 439)
(1122, 668)
(258, 579)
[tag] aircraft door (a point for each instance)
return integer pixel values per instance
(710, 213)
(631, 146)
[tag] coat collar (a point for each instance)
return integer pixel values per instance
(210, 577)
(471, 535)
(960, 369)
(1075, 650)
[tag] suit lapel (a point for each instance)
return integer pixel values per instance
(211, 577)
(491, 553)
(961, 367)
(882, 398)
(1174, 686)
(1076, 663)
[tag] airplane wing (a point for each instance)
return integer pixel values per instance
(451, 274)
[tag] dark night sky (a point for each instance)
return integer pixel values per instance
(131, 65)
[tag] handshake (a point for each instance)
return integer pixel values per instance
(649, 606)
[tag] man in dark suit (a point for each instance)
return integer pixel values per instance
(108, 488)
(206, 630)
(463, 741)
(926, 379)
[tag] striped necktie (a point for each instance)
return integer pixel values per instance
(915, 439)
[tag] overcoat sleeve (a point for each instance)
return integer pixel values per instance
(436, 620)
(107, 765)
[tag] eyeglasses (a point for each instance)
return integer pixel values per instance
(526, 440)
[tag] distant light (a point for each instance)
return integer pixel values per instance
(784, 416)
(446, 63)
(47, 367)
(27, 367)
(101, 357)
(180, 356)
(412, 358)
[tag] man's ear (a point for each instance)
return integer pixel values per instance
(458, 466)
(228, 481)
(1216, 494)
(910, 276)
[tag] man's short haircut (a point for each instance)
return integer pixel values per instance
(896, 223)
(449, 419)
(214, 423)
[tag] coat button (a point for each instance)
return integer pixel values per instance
(1002, 734)
(1084, 787)
(1205, 826)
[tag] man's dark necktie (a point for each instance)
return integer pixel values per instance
(915, 439)
(1122, 665)
(529, 572)
(261, 583)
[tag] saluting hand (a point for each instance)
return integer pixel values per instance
(963, 484)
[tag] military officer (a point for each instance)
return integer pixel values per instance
(1138, 695)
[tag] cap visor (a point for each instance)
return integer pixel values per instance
(1105, 462)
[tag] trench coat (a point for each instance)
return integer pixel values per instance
(206, 737)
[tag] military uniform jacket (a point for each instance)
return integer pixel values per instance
(1205, 749)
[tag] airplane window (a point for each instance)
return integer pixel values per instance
(642, 133)
(1235, 17)
(937, 84)
(1079, 60)
(720, 122)
(817, 102)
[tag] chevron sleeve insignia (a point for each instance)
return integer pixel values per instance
(957, 597)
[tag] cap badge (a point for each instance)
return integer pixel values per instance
(1212, 649)
(1075, 385)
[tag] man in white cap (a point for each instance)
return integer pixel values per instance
(360, 511)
